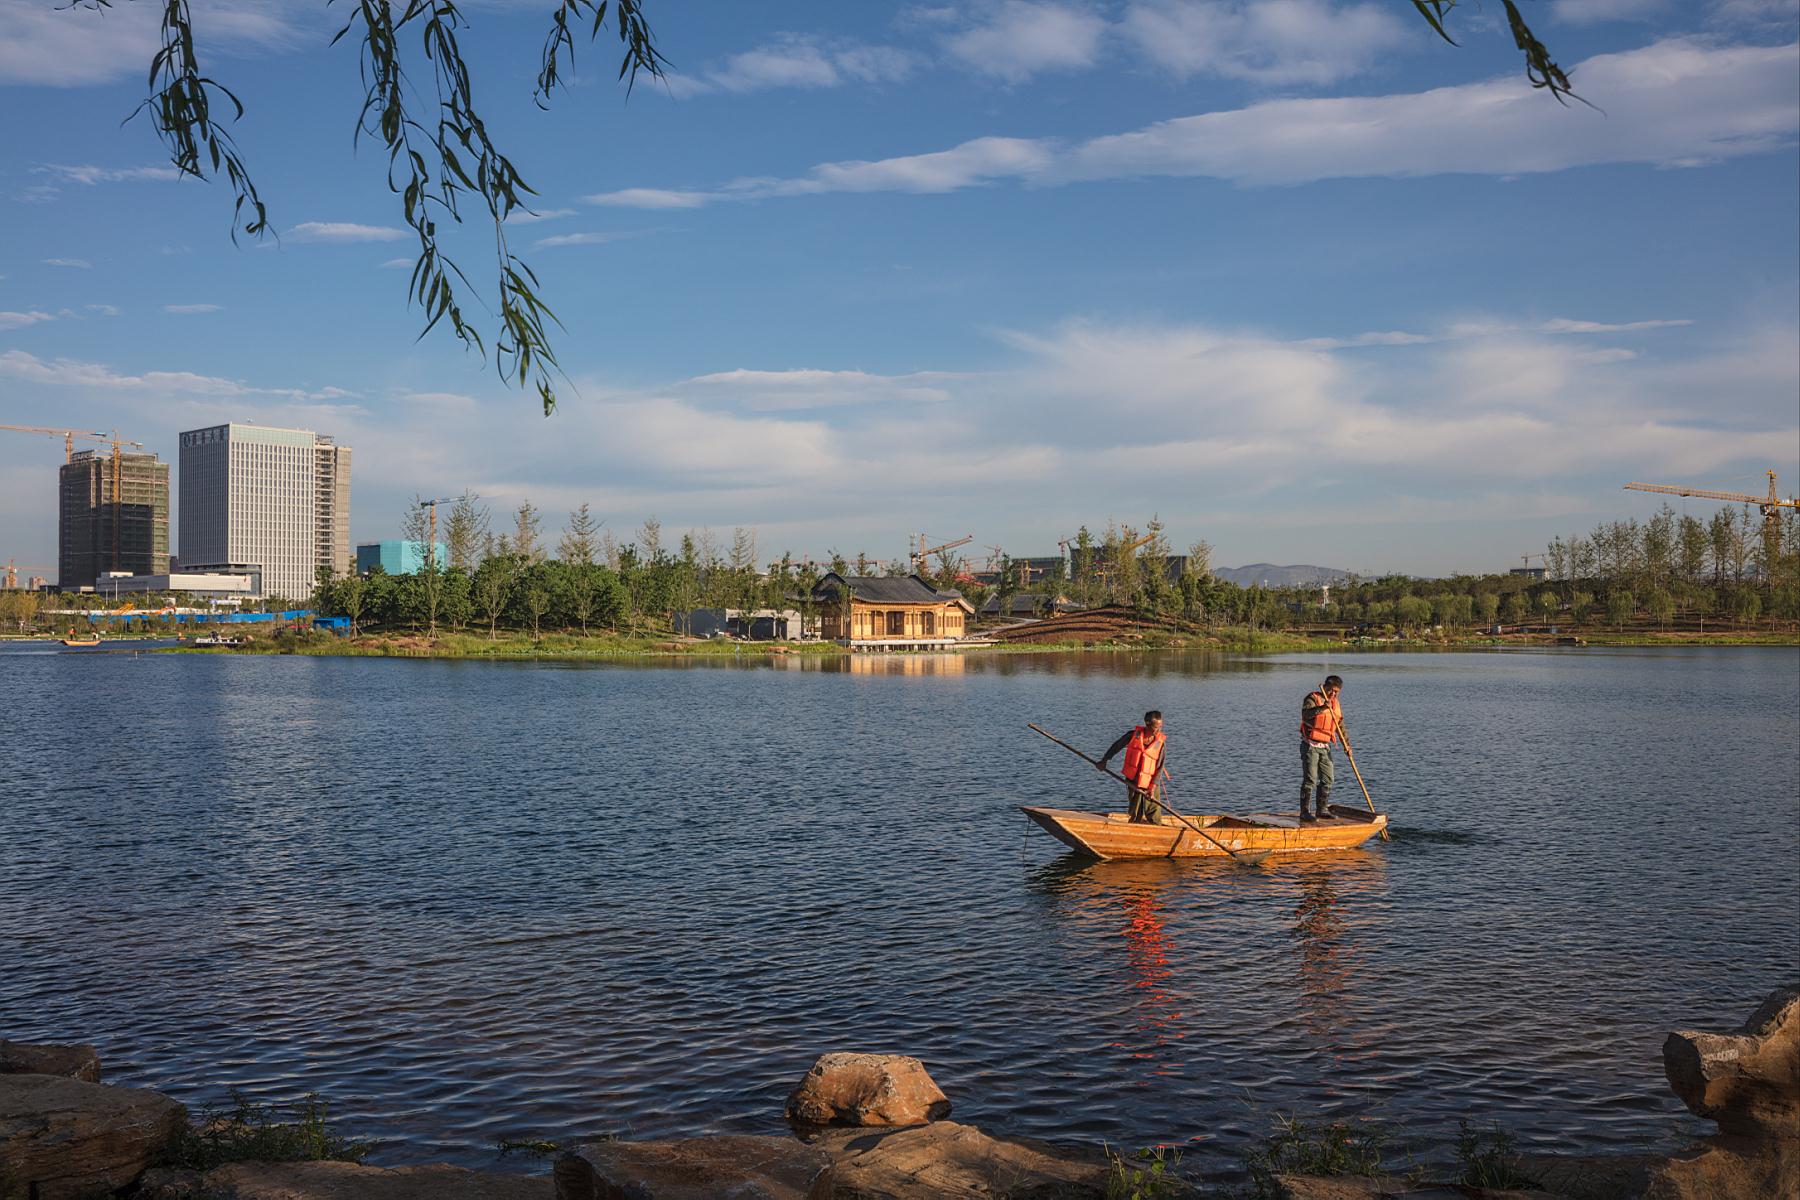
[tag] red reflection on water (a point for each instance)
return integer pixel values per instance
(1147, 951)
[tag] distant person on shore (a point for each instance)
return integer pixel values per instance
(1320, 715)
(1143, 747)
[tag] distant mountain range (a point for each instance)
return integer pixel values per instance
(1270, 575)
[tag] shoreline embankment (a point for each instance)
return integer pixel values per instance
(876, 1127)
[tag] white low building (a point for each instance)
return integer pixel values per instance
(210, 585)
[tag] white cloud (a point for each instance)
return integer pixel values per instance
(585, 239)
(19, 320)
(1593, 12)
(79, 264)
(1565, 325)
(1016, 39)
(68, 372)
(105, 310)
(1269, 41)
(1674, 104)
(521, 217)
(649, 198)
(344, 231)
(64, 45)
(190, 309)
(396, 264)
(88, 176)
(799, 61)
(772, 391)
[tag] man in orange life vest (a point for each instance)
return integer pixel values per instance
(1320, 714)
(1143, 747)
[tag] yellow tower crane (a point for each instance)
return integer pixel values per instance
(12, 572)
(1771, 506)
(118, 464)
(921, 551)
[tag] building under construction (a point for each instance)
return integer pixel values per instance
(107, 524)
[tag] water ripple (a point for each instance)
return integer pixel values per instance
(467, 900)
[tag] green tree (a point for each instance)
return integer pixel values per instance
(1620, 605)
(1488, 606)
(1661, 605)
(349, 594)
(494, 580)
(427, 587)
(1512, 608)
(457, 602)
(584, 587)
(1411, 612)
(465, 530)
(581, 540)
(527, 522)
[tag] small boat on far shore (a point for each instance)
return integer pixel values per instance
(72, 640)
(218, 639)
(1114, 835)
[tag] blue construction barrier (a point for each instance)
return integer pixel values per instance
(233, 618)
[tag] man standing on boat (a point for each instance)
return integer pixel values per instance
(1320, 715)
(1143, 747)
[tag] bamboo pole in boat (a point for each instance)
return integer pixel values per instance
(1351, 755)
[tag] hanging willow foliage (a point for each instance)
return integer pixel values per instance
(437, 158)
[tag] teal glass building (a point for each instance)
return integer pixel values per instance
(397, 558)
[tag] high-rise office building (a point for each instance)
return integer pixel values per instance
(274, 498)
(101, 530)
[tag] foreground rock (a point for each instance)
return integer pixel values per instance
(63, 1139)
(71, 1062)
(945, 1159)
(1748, 1081)
(339, 1181)
(733, 1165)
(1380, 1187)
(867, 1089)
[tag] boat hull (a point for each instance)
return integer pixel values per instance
(1113, 835)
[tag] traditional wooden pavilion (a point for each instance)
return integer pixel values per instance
(880, 612)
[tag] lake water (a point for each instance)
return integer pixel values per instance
(468, 900)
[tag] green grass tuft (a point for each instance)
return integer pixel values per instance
(252, 1132)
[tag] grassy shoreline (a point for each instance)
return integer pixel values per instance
(560, 647)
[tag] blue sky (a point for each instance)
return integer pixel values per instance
(1294, 275)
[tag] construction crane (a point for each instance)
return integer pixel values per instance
(431, 544)
(924, 552)
(1771, 506)
(1132, 545)
(67, 435)
(12, 573)
(118, 464)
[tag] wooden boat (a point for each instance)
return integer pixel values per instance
(1113, 835)
(88, 641)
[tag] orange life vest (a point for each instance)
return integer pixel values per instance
(1143, 757)
(1319, 724)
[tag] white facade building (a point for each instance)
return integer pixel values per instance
(276, 498)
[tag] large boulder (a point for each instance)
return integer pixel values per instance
(1748, 1081)
(72, 1062)
(945, 1159)
(62, 1139)
(342, 1181)
(1730, 1168)
(738, 1166)
(867, 1089)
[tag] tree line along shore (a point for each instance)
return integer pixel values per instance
(1672, 579)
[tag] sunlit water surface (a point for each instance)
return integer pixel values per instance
(470, 900)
